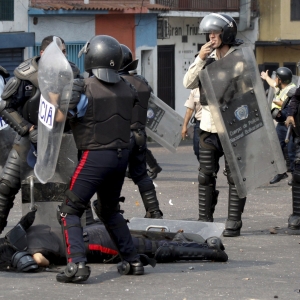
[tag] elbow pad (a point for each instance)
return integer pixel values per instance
(13, 119)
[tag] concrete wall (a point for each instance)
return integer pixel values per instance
(71, 29)
(20, 22)
(20, 18)
(146, 47)
(275, 21)
(121, 27)
(276, 25)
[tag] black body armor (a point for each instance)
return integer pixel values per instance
(139, 114)
(109, 110)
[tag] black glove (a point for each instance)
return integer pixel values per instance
(33, 136)
(27, 220)
(77, 90)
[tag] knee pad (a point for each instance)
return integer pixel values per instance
(208, 161)
(205, 179)
(7, 196)
(6, 190)
(11, 171)
(76, 208)
(105, 210)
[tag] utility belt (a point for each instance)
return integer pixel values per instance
(281, 123)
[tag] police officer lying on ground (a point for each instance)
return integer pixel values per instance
(26, 247)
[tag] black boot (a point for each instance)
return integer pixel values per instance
(294, 218)
(151, 205)
(131, 268)
(153, 165)
(206, 198)
(235, 208)
(74, 273)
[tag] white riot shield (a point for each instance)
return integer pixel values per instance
(164, 124)
(237, 101)
(55, 79)
(205, 229)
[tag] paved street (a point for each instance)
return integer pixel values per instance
(261, 265)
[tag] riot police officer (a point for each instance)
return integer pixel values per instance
(293, 117)
(283, 84)
(103, 136)
(19, 108)
(138, 141)
(220, 30)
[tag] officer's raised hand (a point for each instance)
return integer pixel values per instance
(205, 50)
(77, 90)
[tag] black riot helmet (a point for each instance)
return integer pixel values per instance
(103, 58)
(284, 74)
(128, 64)
(219, 22)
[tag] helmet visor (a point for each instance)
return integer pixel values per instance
(211, 24)
(107, 75)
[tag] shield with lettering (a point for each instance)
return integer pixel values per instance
(164, 124)
(238, 104)
(55, 79)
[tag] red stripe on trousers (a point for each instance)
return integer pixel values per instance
(67, 239)
(79, 168)
(102, 249)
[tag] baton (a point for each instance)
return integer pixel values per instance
(288, 134)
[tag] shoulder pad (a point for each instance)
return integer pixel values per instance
(145, 81)
(11, 87)
(3, 72)
(28, 70)
(129, 84)
(75, 69)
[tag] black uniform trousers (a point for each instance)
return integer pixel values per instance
(101, 171)
(137, 164)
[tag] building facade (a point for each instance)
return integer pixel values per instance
(278, 43)
(163, 34)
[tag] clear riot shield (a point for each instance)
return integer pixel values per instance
(240, 111)
(205, 229)
(271, 91)
(55, 79)
(295, 80)
(164, 124)
(45, 198)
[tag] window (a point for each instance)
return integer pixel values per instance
(6, 10)
(163, 29)
(291, 66)
(295, 10)
(72, 54)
